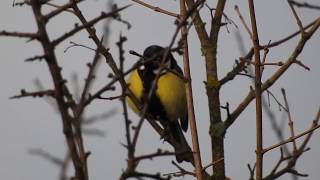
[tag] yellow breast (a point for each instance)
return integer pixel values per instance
(135, 86)
(170, 90)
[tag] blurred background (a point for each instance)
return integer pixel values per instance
(30, 126)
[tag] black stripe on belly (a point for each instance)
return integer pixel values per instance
(155, 108)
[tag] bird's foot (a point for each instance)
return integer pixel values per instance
(165, 136)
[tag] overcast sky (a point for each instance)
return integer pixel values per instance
(31, 123)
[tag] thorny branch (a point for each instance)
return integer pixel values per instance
(87, 25)
(24, 93)
(65, 102)
(157, 9)
(71, 111)
(19, 34)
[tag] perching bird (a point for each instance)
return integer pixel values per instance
(168, 103)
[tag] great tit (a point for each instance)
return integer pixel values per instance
(168, 103)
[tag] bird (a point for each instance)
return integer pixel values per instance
(168, 102)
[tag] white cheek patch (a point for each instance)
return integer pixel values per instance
(168, 64)
(142, 67)
(156, 71)
(165, 69)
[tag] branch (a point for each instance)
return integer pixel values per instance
(24, 93)
(240, 66)
(236, 8)
(88, 81)
(149, 176)
(181, 172)
(258, 92)
(38, 57)
(290, 139)
(199, 25)
(87, 25)
(269, 82)
(304, 5)
(46, 155)
(209, 50)
(188, 90)
(296, 17)
(281, 41)
(59, 7)
(63, 97)
(296, 154)
(159, 153)
(157, 9)
(19, 34)
(290, 123)
(59, 10)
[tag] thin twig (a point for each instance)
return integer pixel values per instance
(59, 7)
(34, 58)
(87, 25)
(236, 8)
(241, 66)
(294, 157)
(290, 123)
(159, 153)
(157, 9)
(305, 5)
(19, 34)
(277, 101)
(296, 17)
(285, 39)
(212, 164)
(46, 155)
(290, 139)
(265, 53)
(271, 80)
(24, 93)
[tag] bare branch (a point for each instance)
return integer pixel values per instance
(288, 140)
(290, 123)
(87, 25)
(35, 58)
(304, 5)
(46, 155)
(258, 92)
(296, 17)
(188, 90)
(59, 10)
(157, 9)
(159, 153)
(268, 83)
(19, 34)
(24, 93)
(236, 8)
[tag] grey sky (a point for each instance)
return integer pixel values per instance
(32, 123)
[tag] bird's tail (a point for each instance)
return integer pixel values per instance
(179, 142)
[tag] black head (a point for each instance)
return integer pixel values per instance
(153, 52)
(153, 56)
